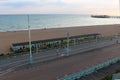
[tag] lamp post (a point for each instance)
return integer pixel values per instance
(119, 6)
(29, 33)
(67, 44)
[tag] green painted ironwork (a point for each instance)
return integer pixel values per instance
(116, 76)
(89, 70)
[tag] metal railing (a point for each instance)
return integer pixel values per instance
(89, 70)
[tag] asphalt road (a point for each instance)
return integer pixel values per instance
(10, 64)
(58, 68)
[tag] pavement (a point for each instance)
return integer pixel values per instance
(57, 68)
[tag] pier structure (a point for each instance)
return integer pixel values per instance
(104, 16)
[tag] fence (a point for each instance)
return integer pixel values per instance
(116, 76)
(89, 70)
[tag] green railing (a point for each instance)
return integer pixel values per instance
(89, 70)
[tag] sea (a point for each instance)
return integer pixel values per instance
(15, 22)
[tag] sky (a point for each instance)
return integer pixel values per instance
(109, 7)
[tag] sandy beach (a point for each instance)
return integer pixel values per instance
(7, 38)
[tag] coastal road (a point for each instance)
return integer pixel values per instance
(61, 67)
(9, 65)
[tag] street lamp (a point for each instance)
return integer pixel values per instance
(119, 6)
(30, 54)
(67, 44)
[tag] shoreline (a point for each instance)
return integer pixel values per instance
(9, 37)
(58, 28)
